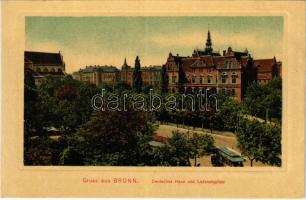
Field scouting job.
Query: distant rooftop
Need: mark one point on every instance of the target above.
(43, 58)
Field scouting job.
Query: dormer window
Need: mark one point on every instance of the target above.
(229, 64)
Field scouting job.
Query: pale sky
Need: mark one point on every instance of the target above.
(108, 40)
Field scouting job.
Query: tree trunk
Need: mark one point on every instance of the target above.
(251, 162)
(195, 161)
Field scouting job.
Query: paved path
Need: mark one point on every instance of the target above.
(228, 140)
(220, 140)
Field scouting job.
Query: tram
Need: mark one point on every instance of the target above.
(224, 156)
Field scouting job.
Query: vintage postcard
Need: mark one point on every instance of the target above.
(153, 99)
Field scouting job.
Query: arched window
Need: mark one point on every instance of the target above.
(59, 70)
(223, 77)
(234, 77)
(209, 79)
(52, 70)
(193, 79)
(45, 70)
(38, 69)
(229, 64)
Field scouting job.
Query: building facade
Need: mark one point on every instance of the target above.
(98, 75)
(151, 76)
(126, 73)
(227, 74)
(42, 64)
(267, 69)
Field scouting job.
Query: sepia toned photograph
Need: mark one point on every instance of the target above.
(187, 91)
(152, 99)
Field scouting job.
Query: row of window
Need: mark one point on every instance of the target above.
(264, 81)
(224, 79)
(230, 92)
(209, 79)
(46, 70)
(224, 91)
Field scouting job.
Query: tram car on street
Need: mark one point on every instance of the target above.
(224, 156)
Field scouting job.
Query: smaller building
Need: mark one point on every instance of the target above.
(151, 76)
(267, 69)
(98, 75)
(42, 64)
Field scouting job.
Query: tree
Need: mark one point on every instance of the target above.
(260, 142)
(111, 138)
(179, 149)
(46, 115)
(137, 80)
(121, 86)
(261, 100)
(30, 97)
(42, 151)
(67, 91)
(230, 113)
(201, 145)
(72, 153)
(67, 113)
(50, 84)
(164, 80)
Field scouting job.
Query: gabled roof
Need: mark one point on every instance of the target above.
(187, 62)
(208, 60)
(264, 64)
(88, 69)
(198, 52)
(109, 69)
(43, 58)
(219, 61)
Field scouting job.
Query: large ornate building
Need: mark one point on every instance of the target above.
(41, 64)
(228, 73)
